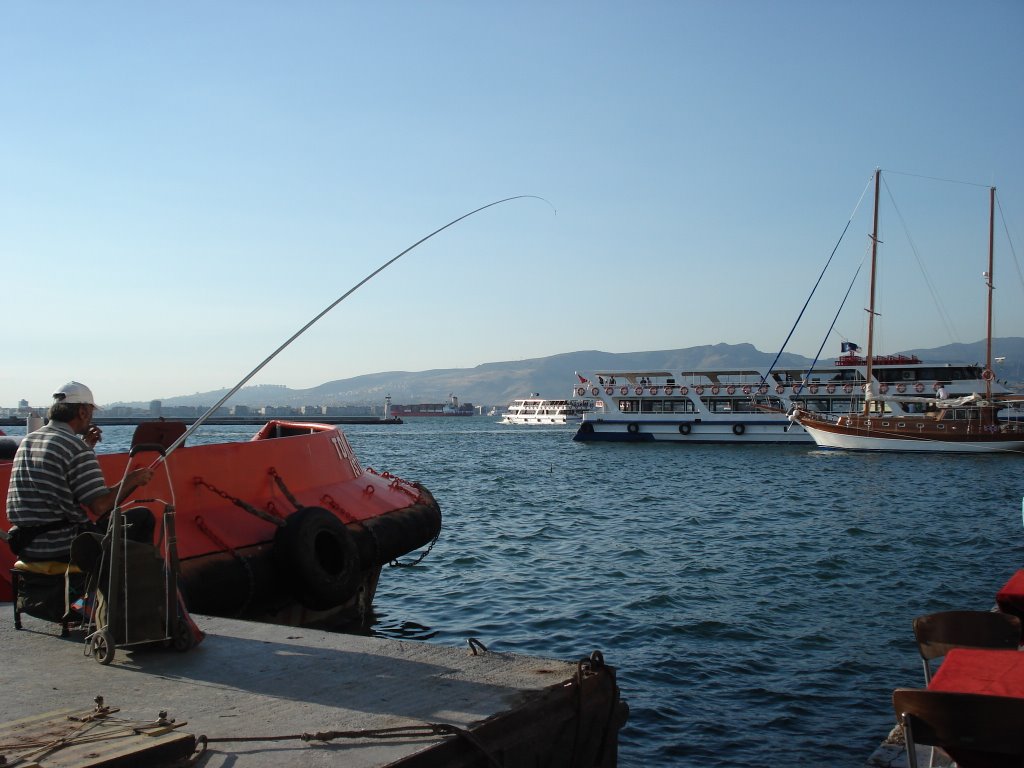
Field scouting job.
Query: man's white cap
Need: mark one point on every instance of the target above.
(75, 393)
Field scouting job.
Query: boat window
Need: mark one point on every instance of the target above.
(650, 405)
(629, 406)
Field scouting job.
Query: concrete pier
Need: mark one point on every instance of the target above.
(248, 680)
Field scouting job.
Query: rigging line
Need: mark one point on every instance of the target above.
(202, 419)
(835, 319)
(1009, 240)
(937, 178)
(849, 221)
(943, 314)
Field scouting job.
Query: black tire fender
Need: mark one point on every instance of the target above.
(319, 558)
(738, 429)
(633, 428)
(684, 429)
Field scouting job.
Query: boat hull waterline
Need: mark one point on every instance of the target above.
(883, 439)
(288, 527)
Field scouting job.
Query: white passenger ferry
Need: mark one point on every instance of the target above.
(754, 406)
(536, 410)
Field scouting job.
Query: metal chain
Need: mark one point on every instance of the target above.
(284, 488)
(269, 517)
(204, 528)
(398, 732)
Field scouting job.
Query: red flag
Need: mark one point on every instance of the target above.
(582, 380)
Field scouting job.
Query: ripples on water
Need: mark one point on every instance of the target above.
(756, 601)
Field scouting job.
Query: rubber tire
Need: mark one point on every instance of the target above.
(684, 429)
(319, 558)
(738, 429)
(633, 428)
(103, 648)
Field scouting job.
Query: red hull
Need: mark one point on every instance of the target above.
(236, 506)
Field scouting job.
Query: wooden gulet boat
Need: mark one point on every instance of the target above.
(288, 527)
(969, 424)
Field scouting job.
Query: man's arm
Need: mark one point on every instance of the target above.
(101, 505)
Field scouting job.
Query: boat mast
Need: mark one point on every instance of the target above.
(871, 307)
(989, 282)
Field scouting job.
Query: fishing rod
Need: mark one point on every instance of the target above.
(213, 409)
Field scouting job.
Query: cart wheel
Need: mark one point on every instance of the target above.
(103, 647)
(182, 639)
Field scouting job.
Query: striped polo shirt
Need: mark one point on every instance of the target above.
(54, 474)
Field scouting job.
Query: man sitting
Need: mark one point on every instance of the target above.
(56, 483)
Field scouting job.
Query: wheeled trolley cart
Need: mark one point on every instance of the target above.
(134, 584)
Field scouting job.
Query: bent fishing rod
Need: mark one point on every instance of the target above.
(213, 409)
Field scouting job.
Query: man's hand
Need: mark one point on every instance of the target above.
(92, 436)
(139, 477)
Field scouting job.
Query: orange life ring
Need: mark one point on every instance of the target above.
(847, 388)
(763, 389)
(814, 389)
(699, 390)
(988, 375)
(623, 390)
(609, 390)
(595, 391)
(731, 390)
(901, 387)
(746, 389)
(715, 389)
(684, 391)
(669, 390)
(780, 389)
(830, 388)
(654, 390)
(639, 390)
(580, 391)
(919, 387)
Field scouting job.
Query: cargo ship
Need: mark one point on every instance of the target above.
(452, 408)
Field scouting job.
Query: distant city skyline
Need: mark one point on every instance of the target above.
(186, 185)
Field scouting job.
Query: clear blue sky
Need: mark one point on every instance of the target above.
(184, 185)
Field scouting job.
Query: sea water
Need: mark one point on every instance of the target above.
(755, 601)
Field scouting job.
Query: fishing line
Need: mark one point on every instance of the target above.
(213, 409)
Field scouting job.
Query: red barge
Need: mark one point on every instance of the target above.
(288, 527)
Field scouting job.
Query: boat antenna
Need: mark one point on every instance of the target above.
(245, 379)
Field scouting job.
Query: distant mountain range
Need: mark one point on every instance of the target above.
(553, 377)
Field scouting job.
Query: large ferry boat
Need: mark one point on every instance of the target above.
(752, 405)
(537, 410)
(451, 408)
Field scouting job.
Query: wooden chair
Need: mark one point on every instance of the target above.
(937, 633)
(975, 730)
